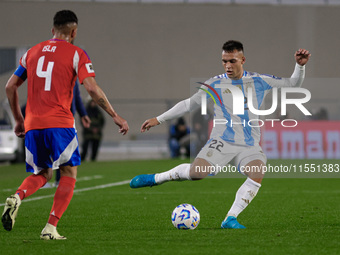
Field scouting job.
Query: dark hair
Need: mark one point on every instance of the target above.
(232, 45)
(64, 17)
(180, 121)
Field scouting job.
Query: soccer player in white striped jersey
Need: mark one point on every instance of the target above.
(236, 144)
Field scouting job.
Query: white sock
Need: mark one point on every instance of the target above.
(178, 173)
(244, 196)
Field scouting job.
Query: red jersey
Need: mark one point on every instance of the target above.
(52, 68)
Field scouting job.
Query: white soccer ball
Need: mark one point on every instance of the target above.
(185, 216)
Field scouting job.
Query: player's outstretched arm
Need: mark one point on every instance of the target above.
(100, 98)
(175, 112)
(149, 124)
(302, 56)
(13, 98)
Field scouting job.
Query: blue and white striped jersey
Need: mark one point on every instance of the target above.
(241, 129)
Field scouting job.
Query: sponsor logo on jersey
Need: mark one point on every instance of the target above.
(89, 68)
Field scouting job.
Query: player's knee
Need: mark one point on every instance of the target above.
(47, 173)
(196, 173)
(254, 170)
(70, 171)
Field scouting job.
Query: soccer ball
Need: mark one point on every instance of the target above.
(185, 216)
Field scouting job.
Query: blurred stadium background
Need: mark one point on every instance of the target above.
(145, 52)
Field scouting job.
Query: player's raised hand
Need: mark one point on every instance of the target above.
(122, 124)
(149, 124)
(302, 56)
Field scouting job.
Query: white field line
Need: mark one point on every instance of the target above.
(104, 186)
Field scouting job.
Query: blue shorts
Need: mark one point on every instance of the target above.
(51, 148)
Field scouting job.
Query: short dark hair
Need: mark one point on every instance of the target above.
(64, 17)
(232, 45)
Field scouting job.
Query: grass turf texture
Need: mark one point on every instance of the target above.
(289, 216)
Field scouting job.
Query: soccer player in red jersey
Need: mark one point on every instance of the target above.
(51, 68)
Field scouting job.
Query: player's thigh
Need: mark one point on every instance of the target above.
(250, 162)
(51, 148)
(38, 157)
(64, 147)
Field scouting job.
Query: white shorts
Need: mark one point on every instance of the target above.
(219, 153)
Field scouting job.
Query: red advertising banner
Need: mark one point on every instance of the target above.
(308, 139)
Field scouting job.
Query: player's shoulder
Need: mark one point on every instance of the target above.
(73, 47)
(213, 80)
(260, 75)
(248, 74)
(269, 76)
(82, 52)
(79, 52)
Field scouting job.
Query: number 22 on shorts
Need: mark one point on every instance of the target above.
(216, 145)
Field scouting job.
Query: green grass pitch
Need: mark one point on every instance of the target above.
(288, 216)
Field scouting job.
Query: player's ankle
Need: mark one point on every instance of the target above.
(53, 220)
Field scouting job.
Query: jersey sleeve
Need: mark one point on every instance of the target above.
(21, 71)
(84, 67)
(190, 104)
(295, 80)
(184, 106)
